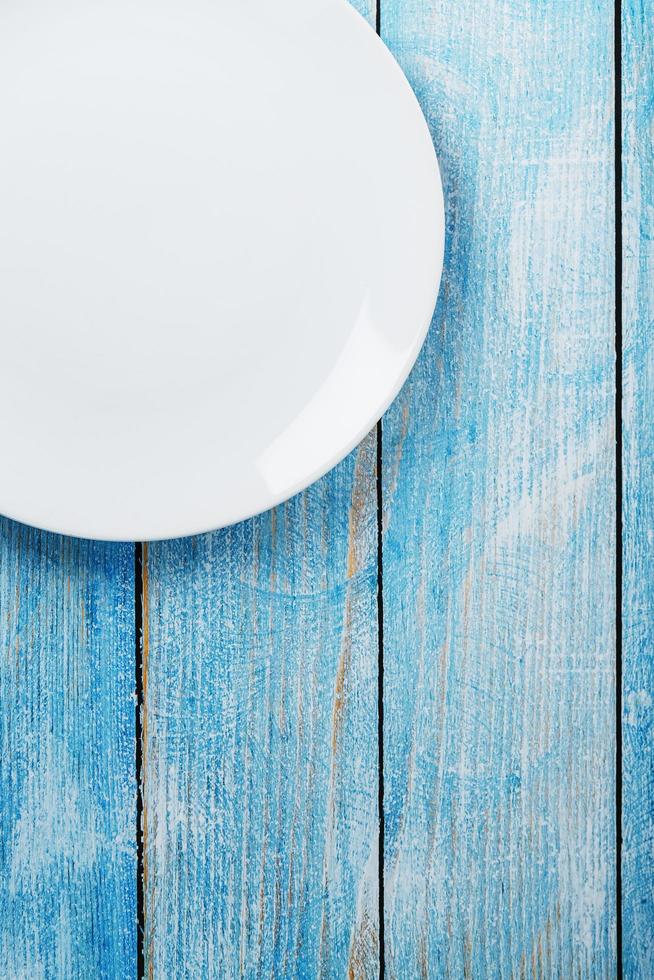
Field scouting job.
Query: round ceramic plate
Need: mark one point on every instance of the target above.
(221, 234)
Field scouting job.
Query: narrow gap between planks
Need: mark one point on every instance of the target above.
(380, 696)
(617, 75)
(380, 661)
(138, 731)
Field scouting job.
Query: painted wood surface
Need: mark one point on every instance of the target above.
(638, 498)
(260, 750)
(499, 550)
(67, 773)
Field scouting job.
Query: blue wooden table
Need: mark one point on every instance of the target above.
(388, 714)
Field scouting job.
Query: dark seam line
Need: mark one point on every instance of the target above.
(617, 47)
(138, 730)
(380, 696)
(380, 661)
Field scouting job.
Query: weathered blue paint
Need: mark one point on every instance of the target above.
(638, 512)
(67, 773)
(499, 509)
(260, 750)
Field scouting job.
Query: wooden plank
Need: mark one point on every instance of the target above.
(67, 772)
(499, 547)
(260, 721)
(638, 502)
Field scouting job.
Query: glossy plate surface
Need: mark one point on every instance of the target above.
(221, 233)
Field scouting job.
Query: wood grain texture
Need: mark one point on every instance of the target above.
(499, 548)
(260, 751)
(638, 497)
(67, 772)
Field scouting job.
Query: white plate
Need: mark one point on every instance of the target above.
(221, 234)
